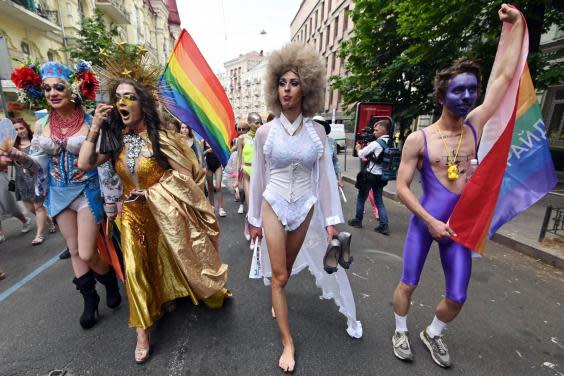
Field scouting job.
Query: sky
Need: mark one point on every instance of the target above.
(224, 29)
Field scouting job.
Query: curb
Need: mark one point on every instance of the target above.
(505, 240)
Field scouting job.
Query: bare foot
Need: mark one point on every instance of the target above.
(273, 313)
(287, 362)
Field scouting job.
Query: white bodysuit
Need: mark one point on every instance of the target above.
(294, 173)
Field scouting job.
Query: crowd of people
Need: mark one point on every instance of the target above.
(284, 172)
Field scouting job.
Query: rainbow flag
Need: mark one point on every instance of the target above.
(515, 167)
(192, 93)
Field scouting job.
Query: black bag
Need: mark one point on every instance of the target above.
(12, 182)
(361, 179)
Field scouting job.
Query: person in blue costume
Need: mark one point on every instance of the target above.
(73, 197)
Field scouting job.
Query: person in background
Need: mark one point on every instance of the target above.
(192, 142)
(374, 182)
(214, 171)
(332, 147)
(25, 184)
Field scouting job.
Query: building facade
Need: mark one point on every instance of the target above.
(40, 29)
(325, 24)
(243, 83)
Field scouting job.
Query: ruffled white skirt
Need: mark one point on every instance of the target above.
(334, 286)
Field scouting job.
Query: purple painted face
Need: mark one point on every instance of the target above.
(461, 94)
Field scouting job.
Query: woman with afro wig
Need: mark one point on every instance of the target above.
(293, 193)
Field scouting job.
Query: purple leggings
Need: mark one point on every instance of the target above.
(455, 258)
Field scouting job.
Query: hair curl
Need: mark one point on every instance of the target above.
(459, 66)
(148, 106)
(303, 60)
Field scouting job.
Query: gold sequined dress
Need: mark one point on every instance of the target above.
(170, 239)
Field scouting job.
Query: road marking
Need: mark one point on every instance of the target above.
(394, 256)
(26, 279)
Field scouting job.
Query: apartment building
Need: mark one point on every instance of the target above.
(39, 29)
(325, 24)
(243, 83)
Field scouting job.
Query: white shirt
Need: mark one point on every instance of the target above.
(376, 148)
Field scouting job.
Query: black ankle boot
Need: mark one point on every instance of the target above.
(113, 298)
(86, 284)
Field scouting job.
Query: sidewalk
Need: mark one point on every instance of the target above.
(520, 234)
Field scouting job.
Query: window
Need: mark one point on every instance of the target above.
(346, 20)
(322, 11)
(335, 29)
(50, 56)
(305, 32)
(333, 62)
(327, 37)
(25, 48)
(328, 8)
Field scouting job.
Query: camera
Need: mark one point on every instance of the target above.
(365, 136)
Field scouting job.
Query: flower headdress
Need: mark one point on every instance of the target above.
(29, 76)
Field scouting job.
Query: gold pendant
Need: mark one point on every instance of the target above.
(452, 172)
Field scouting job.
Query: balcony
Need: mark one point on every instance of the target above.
(29, 15)
(115, 10)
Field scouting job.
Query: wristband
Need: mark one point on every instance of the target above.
(92, 136)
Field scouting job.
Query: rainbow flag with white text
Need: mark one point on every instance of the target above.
(515, 167)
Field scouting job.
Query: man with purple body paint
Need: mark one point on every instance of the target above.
(442, 153)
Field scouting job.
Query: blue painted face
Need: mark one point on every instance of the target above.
(461, 94)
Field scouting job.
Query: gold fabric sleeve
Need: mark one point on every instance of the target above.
(187, 221)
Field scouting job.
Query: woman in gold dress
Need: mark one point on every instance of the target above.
(169, 233)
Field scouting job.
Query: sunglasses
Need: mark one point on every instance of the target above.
(127, 98)
(242, 129)
(60, 87)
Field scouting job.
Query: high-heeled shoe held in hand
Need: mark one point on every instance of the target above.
(332, 256)
(345, 258)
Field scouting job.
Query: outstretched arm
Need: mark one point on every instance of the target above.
(506, 68)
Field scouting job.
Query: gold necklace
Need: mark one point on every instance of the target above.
(452, 170)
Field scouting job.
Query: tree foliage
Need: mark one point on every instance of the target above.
(94, 35)
(399, 45)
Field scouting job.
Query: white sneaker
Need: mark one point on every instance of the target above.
(222, 212)
(241, 209)
(2, 238)
(26, 227)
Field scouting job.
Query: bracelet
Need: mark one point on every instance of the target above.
(92, 136)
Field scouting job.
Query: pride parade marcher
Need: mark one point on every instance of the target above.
(169, 233)
(442, 152)
(293, 190)
(245, 153)
(73, 197)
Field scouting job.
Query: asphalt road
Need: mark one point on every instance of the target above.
(512, 324)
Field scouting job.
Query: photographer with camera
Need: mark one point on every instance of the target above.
(369, 178)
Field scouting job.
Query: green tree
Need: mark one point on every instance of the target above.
(94, 36)
(398, 45)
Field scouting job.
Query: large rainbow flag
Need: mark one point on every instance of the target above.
(515, 167)
(192, 93)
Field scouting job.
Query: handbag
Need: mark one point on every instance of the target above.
(12, 182)
(361, 179)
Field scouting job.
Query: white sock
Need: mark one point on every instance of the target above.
(401, 323)
(436, 328)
